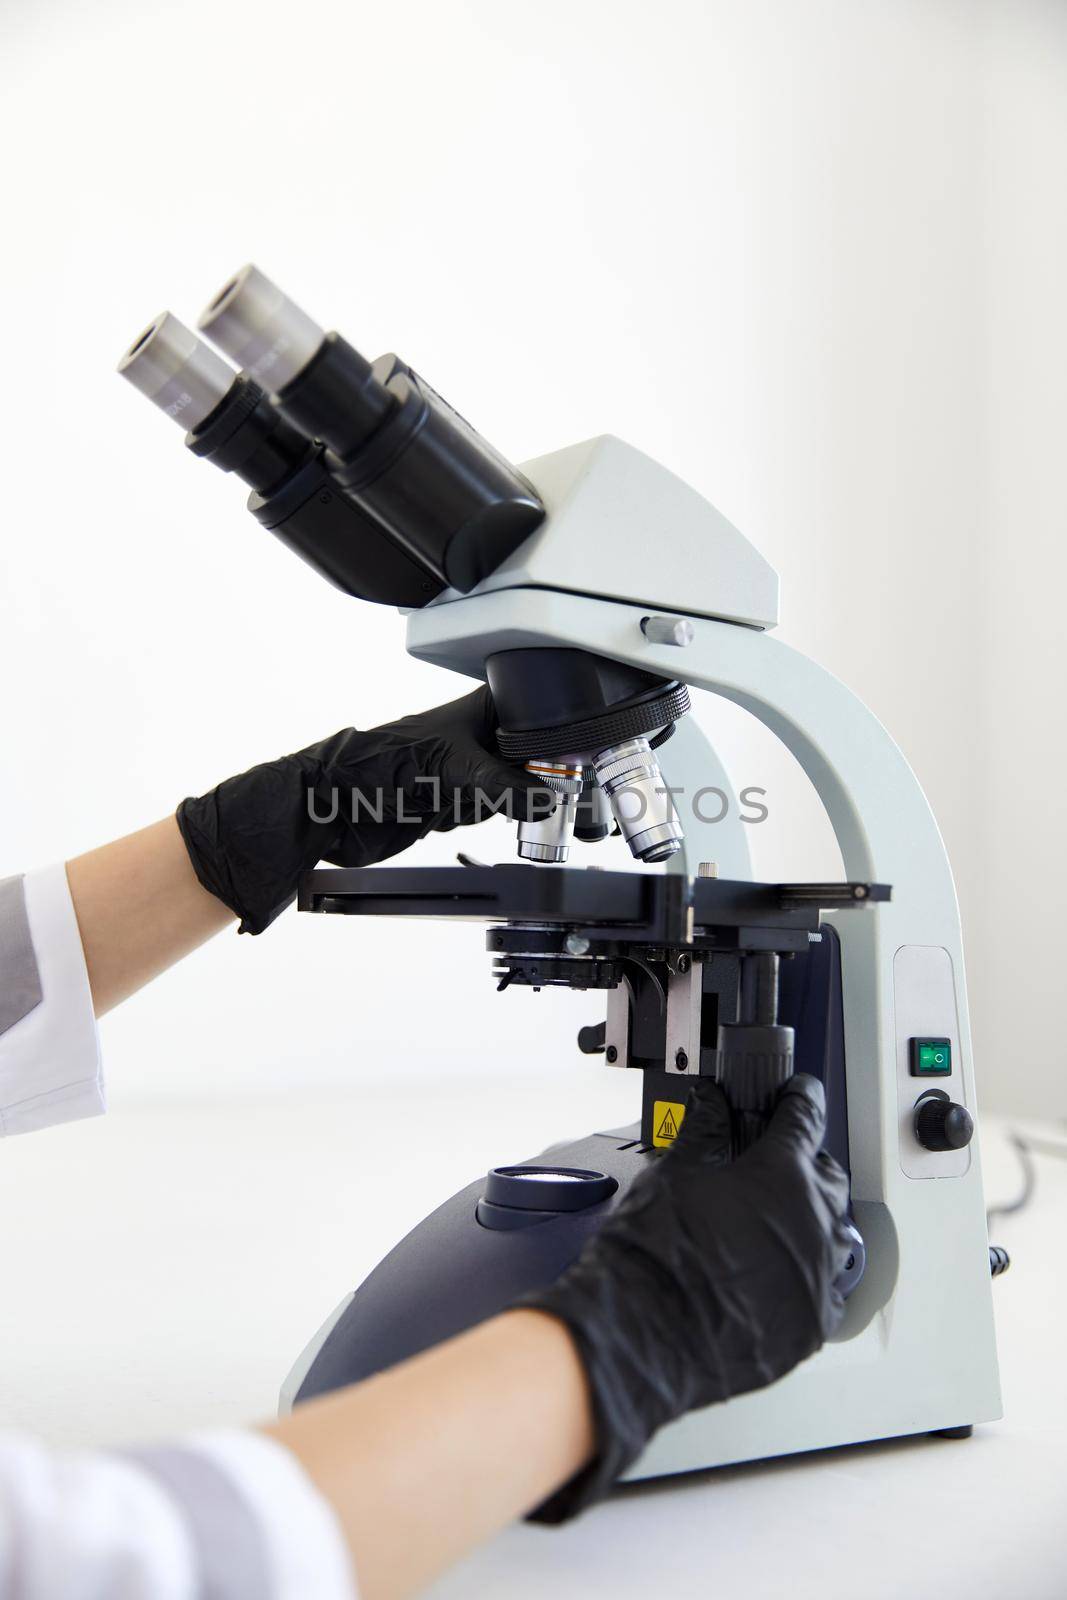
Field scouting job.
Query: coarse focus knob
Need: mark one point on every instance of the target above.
(752, 1062)
(942, 1124)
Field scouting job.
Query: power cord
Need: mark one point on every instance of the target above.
(1025, 1154)
(1026, 1147)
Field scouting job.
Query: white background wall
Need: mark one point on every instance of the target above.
(809, 254)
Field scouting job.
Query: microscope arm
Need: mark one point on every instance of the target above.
(881, 818)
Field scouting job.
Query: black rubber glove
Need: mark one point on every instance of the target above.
(251, 838)
(712, 1278)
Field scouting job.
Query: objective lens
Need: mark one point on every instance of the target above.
(548, 840)
(177, 371)
(261, 329)
(629, 775)
(594, 820)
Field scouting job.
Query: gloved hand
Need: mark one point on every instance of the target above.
(710, 1279)
(251, 838)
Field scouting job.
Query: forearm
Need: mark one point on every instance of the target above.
(426, 1461)
(140, 908)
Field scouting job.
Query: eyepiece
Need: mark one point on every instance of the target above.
(260, 329)
(177, 371)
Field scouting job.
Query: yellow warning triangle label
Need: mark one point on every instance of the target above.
(666, 1120)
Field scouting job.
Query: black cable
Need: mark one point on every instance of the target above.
(1025, 1154)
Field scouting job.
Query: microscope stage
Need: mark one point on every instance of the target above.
(631, 907)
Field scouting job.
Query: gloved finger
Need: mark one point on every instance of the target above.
(497, 777)
(476, 714)
(705, 1129)
(799, 1117)
(834, 1182)
(363, 846)
(469, 714)
(833, 1312)
(482, 706)
(485, 785)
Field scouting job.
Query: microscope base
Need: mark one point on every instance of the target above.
(904, 1362)
(453, 1271)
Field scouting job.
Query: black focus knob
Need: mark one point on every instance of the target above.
(752, 1062)
(941, 1124)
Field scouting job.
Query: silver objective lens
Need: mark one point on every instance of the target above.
(260, 329)
(629, 775)
(177, 371)
(548, 840)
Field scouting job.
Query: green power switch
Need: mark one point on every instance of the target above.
(930, 1058)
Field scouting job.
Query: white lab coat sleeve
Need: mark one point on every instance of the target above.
(223, 1516)
(50, 1069)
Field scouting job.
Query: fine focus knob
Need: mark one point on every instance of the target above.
(942, 1124)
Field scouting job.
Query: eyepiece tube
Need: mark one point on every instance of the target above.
(232, 422)
(229, 420)
(260, 329)
(177, 371)
(320, 383)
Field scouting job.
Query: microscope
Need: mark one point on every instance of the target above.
(365, 472)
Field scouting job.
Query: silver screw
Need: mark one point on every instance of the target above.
(576, 944)
(708, 869)
(667, 630)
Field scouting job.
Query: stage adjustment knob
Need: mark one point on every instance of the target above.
(941, 1124)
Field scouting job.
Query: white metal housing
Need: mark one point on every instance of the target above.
(917, 1349)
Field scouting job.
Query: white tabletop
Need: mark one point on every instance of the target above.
(164, 1265)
